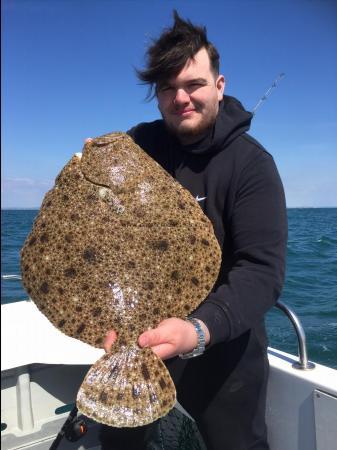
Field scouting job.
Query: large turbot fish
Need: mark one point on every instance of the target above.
(119, 244)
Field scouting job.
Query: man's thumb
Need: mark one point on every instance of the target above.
(149, 338)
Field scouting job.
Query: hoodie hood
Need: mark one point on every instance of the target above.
(232, 121)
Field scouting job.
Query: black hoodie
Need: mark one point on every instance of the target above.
(237, 184)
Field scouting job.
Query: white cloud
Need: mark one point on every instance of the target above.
(21, 183)
(311, 193)
(23, 192)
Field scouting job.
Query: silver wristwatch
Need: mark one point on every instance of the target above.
(200, 348)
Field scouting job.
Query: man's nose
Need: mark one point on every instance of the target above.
(181, 97)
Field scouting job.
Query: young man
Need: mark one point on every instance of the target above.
(202, 141)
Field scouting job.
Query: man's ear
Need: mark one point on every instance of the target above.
(220, 85)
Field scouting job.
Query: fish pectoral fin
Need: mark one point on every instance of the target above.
(128, 388)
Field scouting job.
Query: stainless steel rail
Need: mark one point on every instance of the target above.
(303, 363)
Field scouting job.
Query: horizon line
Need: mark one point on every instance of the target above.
(36, 208)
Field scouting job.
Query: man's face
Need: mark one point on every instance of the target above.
(189, 102)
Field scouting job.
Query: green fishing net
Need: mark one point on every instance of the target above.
(176, 431)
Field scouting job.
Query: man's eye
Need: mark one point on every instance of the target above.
(196, 85)
(165, 89)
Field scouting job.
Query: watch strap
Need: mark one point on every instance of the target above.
(200, 348)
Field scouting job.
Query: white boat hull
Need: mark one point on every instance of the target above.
(301, 405)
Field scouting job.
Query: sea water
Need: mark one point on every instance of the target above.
(311, 278)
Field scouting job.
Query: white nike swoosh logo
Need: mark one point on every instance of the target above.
(200, 199)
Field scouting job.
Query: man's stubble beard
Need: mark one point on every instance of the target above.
(189, 135)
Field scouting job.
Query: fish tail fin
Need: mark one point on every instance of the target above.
(128, 388)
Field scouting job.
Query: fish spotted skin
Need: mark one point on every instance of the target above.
(119, 244)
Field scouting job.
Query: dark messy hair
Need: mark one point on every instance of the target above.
(170, 52)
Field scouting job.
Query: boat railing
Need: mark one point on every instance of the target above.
(303, 362)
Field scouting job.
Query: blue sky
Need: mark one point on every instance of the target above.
(68, 73)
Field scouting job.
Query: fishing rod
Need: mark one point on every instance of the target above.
(73, 429)
(268, 92)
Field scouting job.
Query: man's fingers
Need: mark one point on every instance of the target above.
(157, 342)
(164, 351)
(109, 340)
(150, 338)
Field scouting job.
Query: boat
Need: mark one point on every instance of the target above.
(42, 369)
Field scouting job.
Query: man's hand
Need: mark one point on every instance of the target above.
(172, 337)
(109, 340)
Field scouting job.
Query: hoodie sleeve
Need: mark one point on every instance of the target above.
(258, 233)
